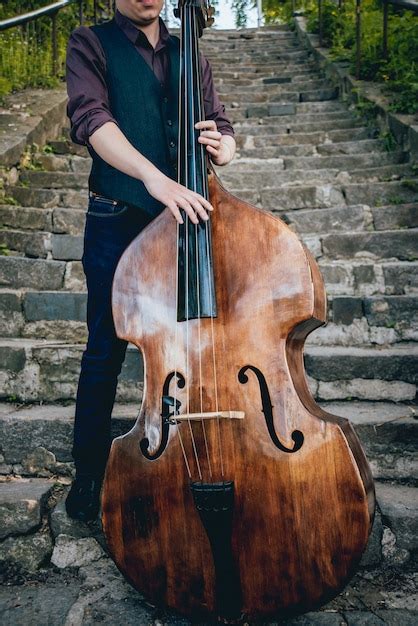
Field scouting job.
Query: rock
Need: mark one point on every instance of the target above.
(40, 461)
(390, 551)
(373, 553)
(61, 524)
(27, 553)
(75, 279)
(399, 506)
(71, 552)
(38, 603)
(21, 505)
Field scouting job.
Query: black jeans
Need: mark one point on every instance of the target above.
(110, 227)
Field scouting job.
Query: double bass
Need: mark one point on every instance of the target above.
(234, 495)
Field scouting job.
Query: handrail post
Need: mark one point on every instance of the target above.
(320, 18)
(95, 11)
(80, 12)
(54, 44)
(259, 13)
(385, 28)
(358, 37)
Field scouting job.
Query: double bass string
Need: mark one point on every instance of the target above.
(195, 76)
(176, 342)
(203, 159)
(186, 64)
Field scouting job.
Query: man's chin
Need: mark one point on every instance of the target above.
(147, 17)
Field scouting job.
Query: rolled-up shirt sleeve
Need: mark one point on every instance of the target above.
(88, 101)
(214, 109)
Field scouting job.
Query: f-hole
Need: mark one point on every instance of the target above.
(267, 410)
(170, 407)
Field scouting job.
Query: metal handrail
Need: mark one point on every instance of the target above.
(50, 9)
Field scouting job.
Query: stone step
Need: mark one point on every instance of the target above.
(292, 58)
(56, 315)
(21, 273)
(297, 143)
(334, 175)
(37, 439)
(251, 49)
(355, 217)
(63, 163)
(267, 173)
(385, 244)
(291, 55)
(331, 146)
(287, 97)
(328, 195)
(278, 127)
(270, 92)
(54, 180)
(293, 143)
(390, 244)
(269, 84)
(35, 370)
(49, 198)
(352, 320)
(366, 277)
(365, 321)
(235, 79)
(59, 221)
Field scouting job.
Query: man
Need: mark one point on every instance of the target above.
(127, 117)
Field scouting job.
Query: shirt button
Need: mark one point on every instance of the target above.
(172, 144)
(169, 122)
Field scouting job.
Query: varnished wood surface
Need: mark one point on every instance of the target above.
(301, 520)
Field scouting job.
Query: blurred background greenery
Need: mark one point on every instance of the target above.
(26, 51)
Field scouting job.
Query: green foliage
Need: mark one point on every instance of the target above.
(399, 72)
(26, 58)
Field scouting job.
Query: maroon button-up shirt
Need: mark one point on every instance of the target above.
(88, 105)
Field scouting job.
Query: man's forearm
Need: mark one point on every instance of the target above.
(111, 145)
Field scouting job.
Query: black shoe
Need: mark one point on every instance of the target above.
(83, 500)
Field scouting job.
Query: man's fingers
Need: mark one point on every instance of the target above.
(213, 134)
(187, 207)
(176, 212)
(209, 142)
(197, 205)
(208, 124)
(206, 204)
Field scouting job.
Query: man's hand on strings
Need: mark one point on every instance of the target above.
(221, 148)
(176, 197)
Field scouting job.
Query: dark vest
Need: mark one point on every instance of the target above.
(147, 114)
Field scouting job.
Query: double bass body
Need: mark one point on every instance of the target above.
(234, 493)
(303, 496)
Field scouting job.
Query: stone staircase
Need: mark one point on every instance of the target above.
(351, 194)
